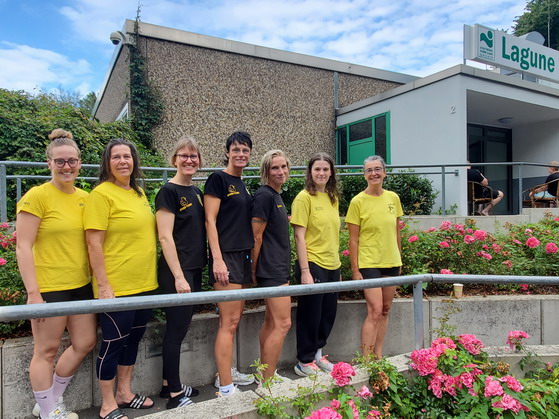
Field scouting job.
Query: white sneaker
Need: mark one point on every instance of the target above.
(58, 413)
(305, 370)
(238, 377)
(60, 405)
(324, 364)
(234, 391)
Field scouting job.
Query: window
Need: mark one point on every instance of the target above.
(123, 115)
(360, 139)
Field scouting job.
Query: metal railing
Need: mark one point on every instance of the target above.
(438, 169)
(34, 311)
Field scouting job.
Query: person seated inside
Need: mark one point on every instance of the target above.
(484, 191)
(550, 190)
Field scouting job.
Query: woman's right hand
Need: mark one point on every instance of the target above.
(182, 286)
(356, 275)
(306, 277)
(105, 292)
(221, 274)
(35, 298)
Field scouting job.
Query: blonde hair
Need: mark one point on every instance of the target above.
(60, 137)
(554, 165)
(185, 142)
(266, 164)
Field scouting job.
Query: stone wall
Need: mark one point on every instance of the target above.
(116, 93)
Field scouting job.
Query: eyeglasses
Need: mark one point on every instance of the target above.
(237, 150)
(192, 157)
(60, 163)
(375, 170)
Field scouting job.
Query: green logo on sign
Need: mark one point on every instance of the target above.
(485, 47)
(487, 38)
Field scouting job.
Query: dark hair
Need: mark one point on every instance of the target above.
(331, 186)
(239, 137)
(105, 168)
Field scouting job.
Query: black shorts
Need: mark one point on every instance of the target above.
(271, 282)
(76, 294)
(370, 273)
(239, 266)
(490, 193)
(319, 274)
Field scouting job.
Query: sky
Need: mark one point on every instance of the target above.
(50, 44)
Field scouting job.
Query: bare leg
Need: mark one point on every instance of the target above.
(493, 203)
(369, 330)
(83, 336)
(387, 298)
(107, 394)
(229, 317)
(277, 322)
(47, 335)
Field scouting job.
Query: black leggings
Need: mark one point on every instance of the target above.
(316, 314)
(121, 332)
(178, 321)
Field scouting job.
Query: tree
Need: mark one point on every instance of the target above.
(87, 103)
(541, 16)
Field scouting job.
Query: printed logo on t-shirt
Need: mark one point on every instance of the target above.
(232, 190)
(391, 209)
(279, 205)
(81, 204)
(184, 203)
(200, 199)
(319, 208)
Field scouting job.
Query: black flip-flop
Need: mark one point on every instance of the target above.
(136, 403)
(115, 414)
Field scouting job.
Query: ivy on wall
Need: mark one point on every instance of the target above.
(145, 101)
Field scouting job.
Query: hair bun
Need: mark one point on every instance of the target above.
(60, 133)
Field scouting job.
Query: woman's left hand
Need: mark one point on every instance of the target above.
(182, 286)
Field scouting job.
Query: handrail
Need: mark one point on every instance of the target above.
(34, 311)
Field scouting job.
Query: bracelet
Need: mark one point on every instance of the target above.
(305, 269)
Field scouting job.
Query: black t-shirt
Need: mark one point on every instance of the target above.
(189, 229)
(233, 219)
(552, 188)
(275, 254)
(474, 175)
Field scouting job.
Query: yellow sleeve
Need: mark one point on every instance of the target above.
(32, 202)
(353, 212)
(96, 212)
(301, 210)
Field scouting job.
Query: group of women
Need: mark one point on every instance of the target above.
(249, 244)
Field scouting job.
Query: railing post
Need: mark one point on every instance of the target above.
(418, 315)
(443, 187)
(18, 189)
(3, 194)
(165, 175)
(520, 189)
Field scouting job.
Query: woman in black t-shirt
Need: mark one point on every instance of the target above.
(182, 234)
(227, 205)
(271, 255)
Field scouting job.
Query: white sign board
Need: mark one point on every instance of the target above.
(500, 49)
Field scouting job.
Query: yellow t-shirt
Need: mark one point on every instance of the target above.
(322, 221)
(129, 246)
(60, 250)
(376, 217)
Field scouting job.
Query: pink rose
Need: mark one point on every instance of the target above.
(512, 383)
(424, 361)
(445, 225)
(492, 387)
(524, 287)
(413, 239)
(509, 403)
(4, 226)
(472, 344)
(345, 252)
(364, 392)
(342, 373)
(373, 414)
(532, 242)
(431, 229)
(469, 239)
(444, 245)
(469, 230)
(401, 225)
(515, 337)
(507, 263)
(335, 404)
(480, 235)
(551, 248)
(324, 413)
(447, 272)
(528, 231)
(3, 261)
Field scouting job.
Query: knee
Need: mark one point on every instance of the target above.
(85, 346)
(230, 324)
(284, 326)
(374, 315)
(46, 353)
(385, 310)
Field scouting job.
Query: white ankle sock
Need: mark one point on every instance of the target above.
(318, 355)
(226, 389)
(59, 385)
(45, 400)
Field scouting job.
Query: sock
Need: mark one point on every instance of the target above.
(46, 401)
(226, 389)
(59, 385)
(318, 354)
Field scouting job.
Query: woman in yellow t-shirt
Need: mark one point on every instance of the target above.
(316, 223)
(120, 233)
(374, 249)
(52, 258)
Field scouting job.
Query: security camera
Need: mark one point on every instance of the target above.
(116, 37)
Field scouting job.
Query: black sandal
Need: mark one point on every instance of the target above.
(115, 414)
(136, 403)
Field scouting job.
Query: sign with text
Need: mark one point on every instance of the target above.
(489, 46)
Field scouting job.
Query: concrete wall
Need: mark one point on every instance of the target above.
(490, 318)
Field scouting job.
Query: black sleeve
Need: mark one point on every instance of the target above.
(166, 198)
(262, 205)
(215, 186)
(474, 175)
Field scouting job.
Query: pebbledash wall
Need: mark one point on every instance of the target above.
(489, 318)
(212, 87)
